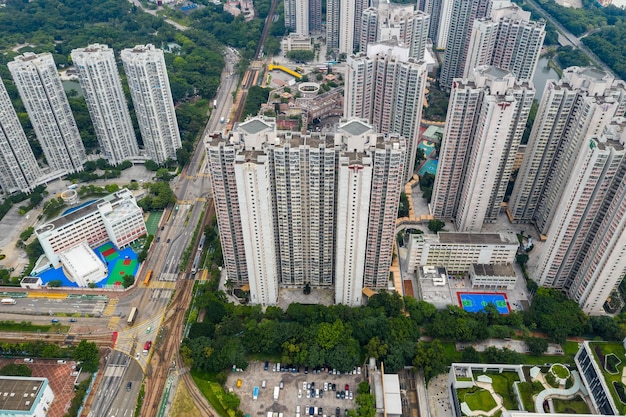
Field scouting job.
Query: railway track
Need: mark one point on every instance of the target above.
(166, 354)
(101, 340)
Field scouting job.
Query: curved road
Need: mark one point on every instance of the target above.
(571, 38)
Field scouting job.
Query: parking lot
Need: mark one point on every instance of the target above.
(292, 394)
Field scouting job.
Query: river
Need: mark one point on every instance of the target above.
(543, 73)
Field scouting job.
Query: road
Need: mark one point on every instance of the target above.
(153, 12)
(571, 38)
(49, 307)
(165, 325)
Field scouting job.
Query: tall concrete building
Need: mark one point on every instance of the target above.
(102, 87)
(507, 39)
(434, 9)
(486, 118)
(152, 98)
(400, 22)
(313, 209)
(332, 24)
(315, 17)
(386, 87)
(40, 88)
(18, 168)
(571, 111)
(463, 14)
(585, 253)
(444, 25)
(297, 16)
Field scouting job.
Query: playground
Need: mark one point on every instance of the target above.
(428, 147)
(152, 223)
(473, 302)
(430, 166)
(119, 263)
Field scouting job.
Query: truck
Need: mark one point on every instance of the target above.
(276, 393)
(255, 393)
(8, 301)
(215, 104)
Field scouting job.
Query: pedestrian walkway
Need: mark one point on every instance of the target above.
(113, 322)
(110, 308)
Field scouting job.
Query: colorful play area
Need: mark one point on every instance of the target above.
(430, 165)
(119, 263)
(473, 302)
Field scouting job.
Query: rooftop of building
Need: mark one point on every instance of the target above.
(499, 270)
(72, 217)
(30, 280)
(473, 238)
(609, 359)
(535, 384)
(255, 126)
(355, 127)
(19, 393)
(82, 260)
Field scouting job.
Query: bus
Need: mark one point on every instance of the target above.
(132, 316)
(146, 281)
(8, 301)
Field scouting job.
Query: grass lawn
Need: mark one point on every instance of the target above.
(449, 350)
(527, 390)
(8, 326)
(202, 380)
(503, 384)
(560, 371)
(183, 403)
(477, 398)
(575, 406)
(618, 350)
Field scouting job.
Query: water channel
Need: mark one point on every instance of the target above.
(543, 73)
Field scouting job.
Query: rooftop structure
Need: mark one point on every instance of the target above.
(115, 217)
(458, 251)
(25, 397)
(82, 265)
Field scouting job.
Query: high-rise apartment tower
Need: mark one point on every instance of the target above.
(386, 87)
(152, 98)
(572, 110)
(507, 39)
(40, 88)
(18, 168)
(486, 118)
(313, 209)
(102, 87)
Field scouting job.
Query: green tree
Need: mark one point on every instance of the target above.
(329, 335)
(430, 358)
(128, 281)
(435, 225)
(536, 345)
(403, 206)
(231, 401)
(151, 165)
(87, 353)
(375, 348)
(13, 369)
(470, 355)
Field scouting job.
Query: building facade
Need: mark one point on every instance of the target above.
(458, 31)
(332, 25)
(386, 87)
(507, 39)
(585, 253)
(18, 168)
(280, 219)
(457, 252)
(152, 98)
(102, 87)
(395, 22)
(484, 126)
(40, 88)
(571, 111)
(116, 218)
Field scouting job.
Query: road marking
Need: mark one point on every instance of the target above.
(110, 308)
(113, 322)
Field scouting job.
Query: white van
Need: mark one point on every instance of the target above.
(263, 384)
(28, 360)
(297, 408)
